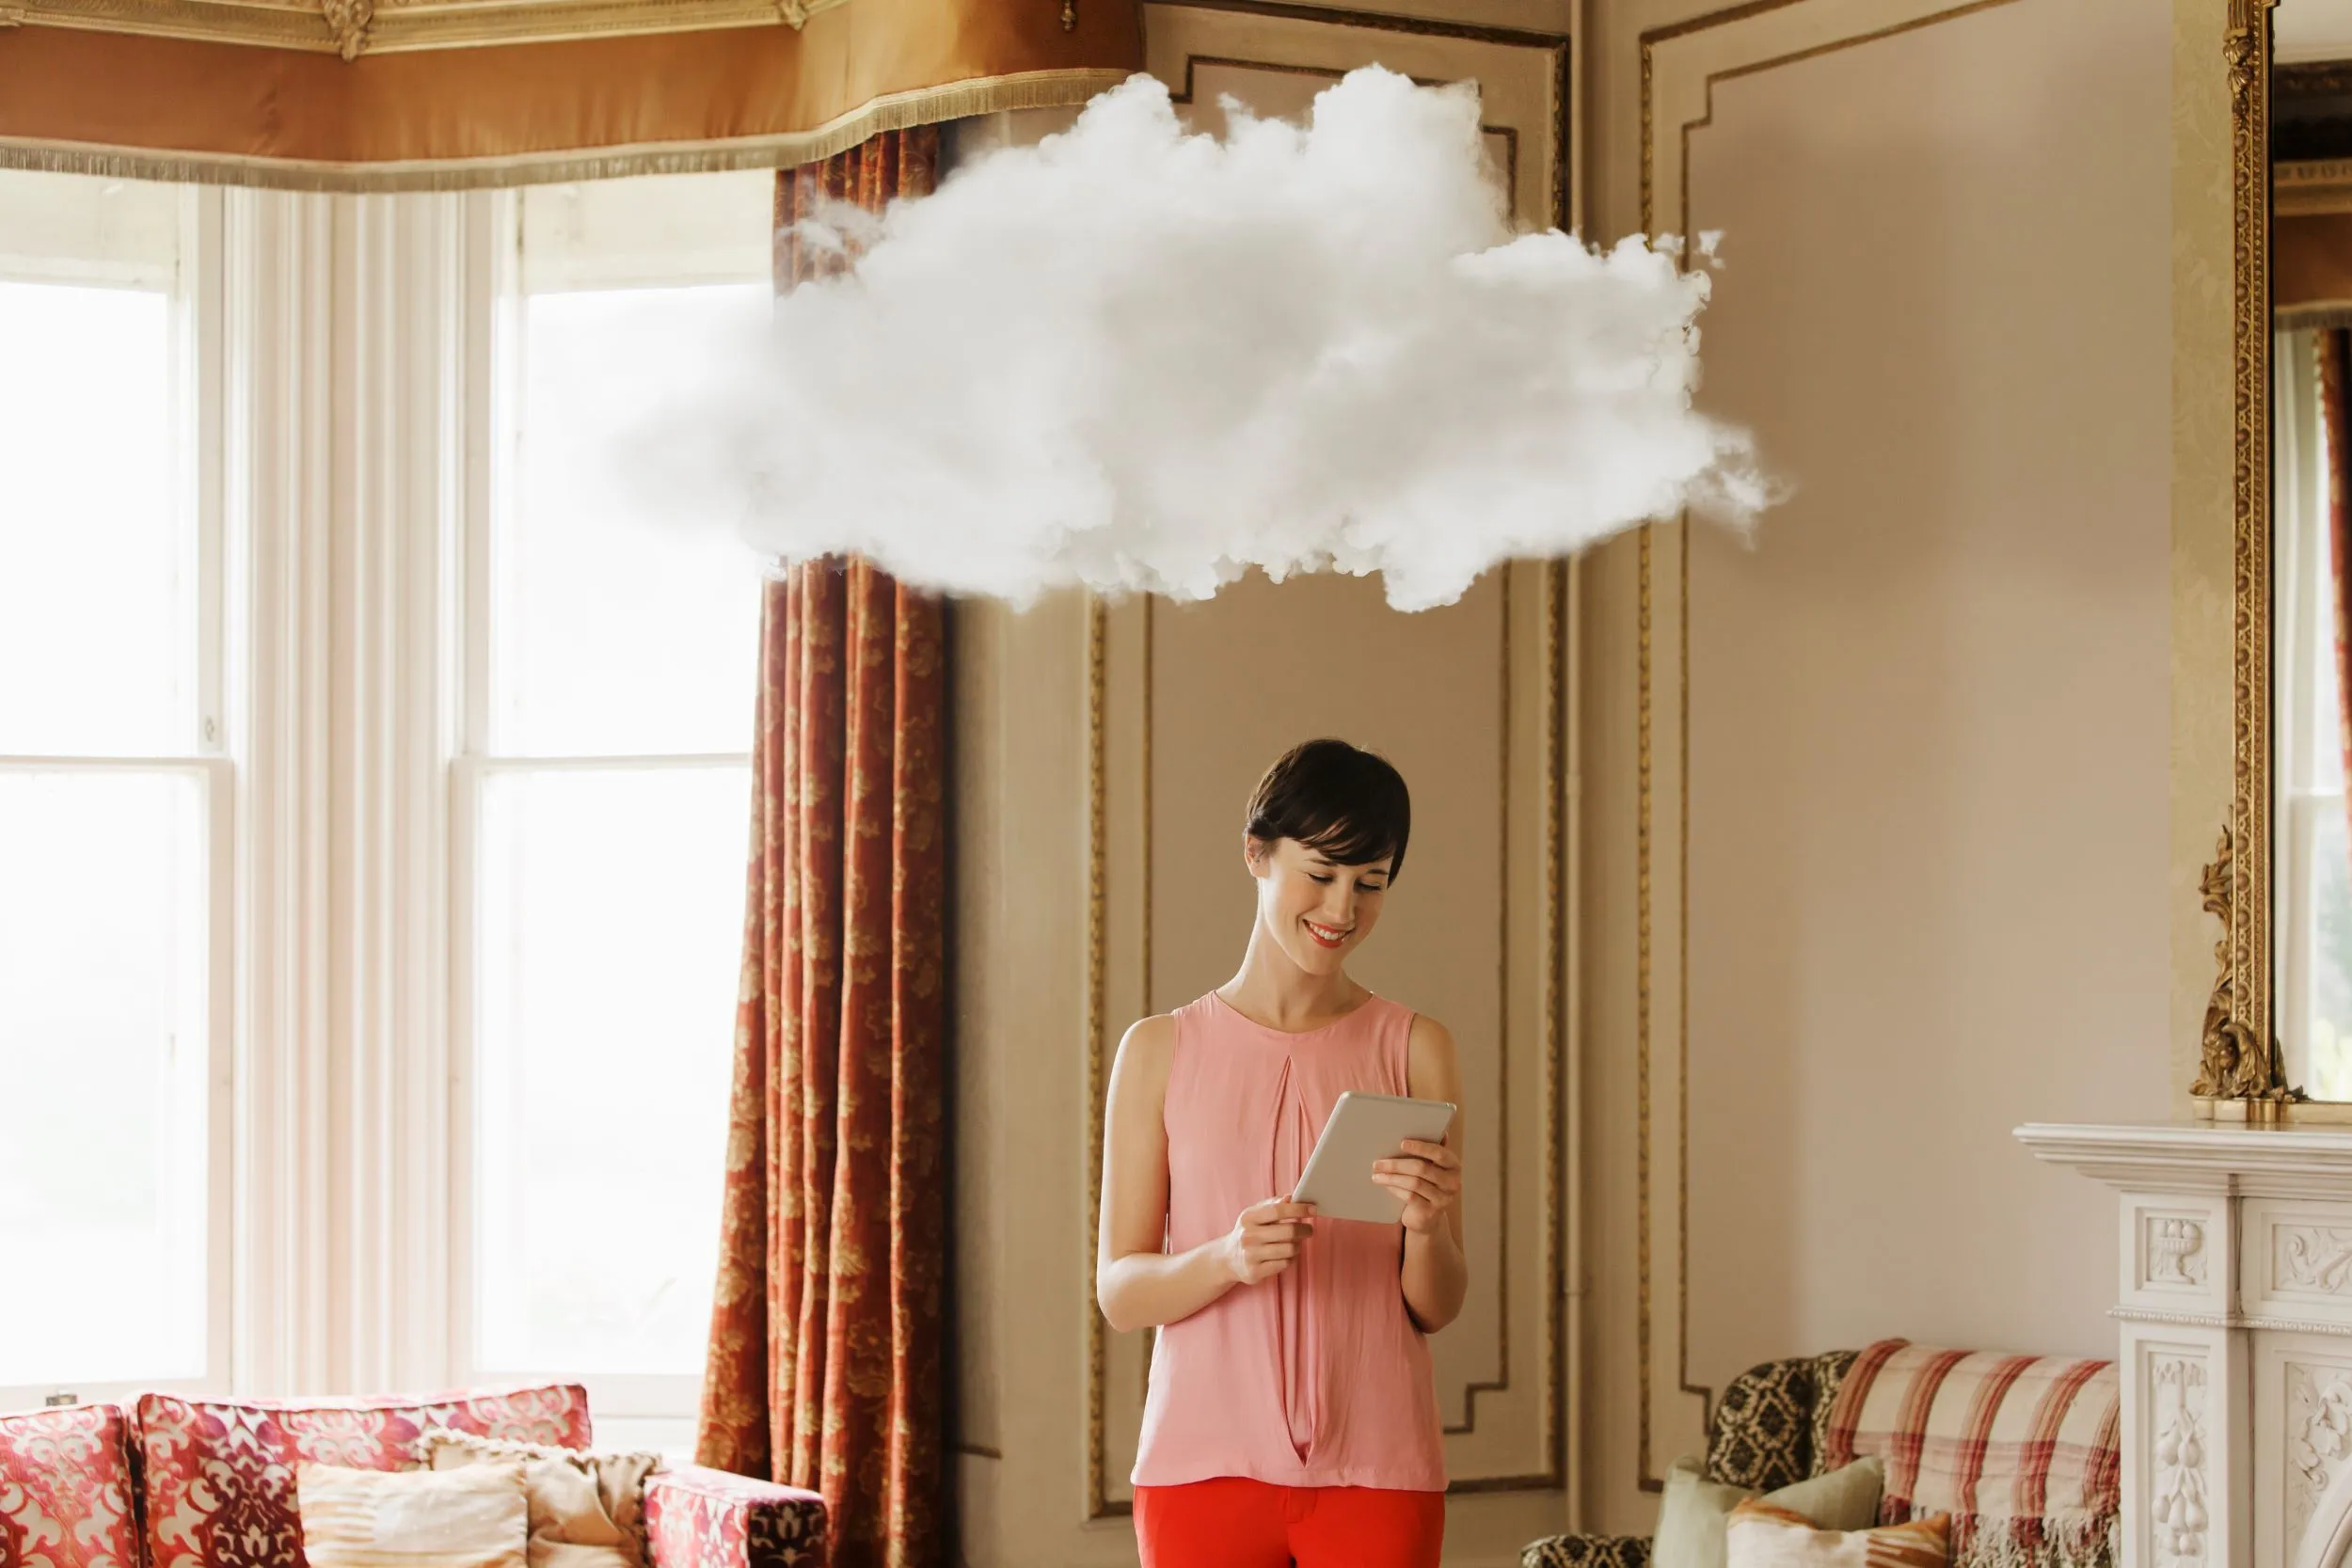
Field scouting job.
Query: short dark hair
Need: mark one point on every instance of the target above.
(1346, 804)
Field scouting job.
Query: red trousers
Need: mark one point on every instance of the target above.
(1233, 1523)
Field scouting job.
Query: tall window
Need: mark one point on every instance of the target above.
(605, 792)
(115, 803)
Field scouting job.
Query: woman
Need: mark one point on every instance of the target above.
(1292, 1416)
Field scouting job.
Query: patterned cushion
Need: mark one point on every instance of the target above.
(477, 1517)
(1588, 1551)
(702, 1518)
(1763, 1436)
(1769, 1431)
(1762, 1536)
(1829, 1376)
(217, 1477)
(587, 1509)
(65, 1489)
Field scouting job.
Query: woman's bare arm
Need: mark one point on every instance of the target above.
(1136, 1283)
(1436, 1274)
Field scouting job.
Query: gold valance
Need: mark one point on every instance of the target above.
(413, 110)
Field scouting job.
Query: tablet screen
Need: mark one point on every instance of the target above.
(1363, 1129)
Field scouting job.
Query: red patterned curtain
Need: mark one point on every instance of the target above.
(825, 1365)
(2335, 376)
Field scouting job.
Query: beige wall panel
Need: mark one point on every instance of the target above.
(1020, 740)
(1541, 16)
(1240, 679)
(2203, 461)
(1929, 710)
(1064, 714)
(1930, 857)
(1083, 901)
(1287, 93)
(976, 652)
(1464, 700)
(1607, 1492)
(1277, 64)
(1160, 718)
(1198, 700)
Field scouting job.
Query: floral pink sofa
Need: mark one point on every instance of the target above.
(209, 1483)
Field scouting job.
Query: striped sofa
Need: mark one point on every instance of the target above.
(2022, 1452)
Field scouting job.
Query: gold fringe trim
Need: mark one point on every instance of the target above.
(2318, 316)
(1036, 89)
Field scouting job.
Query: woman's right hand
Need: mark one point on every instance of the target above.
(1266, 1239)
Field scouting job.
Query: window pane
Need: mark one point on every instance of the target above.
(615, 628)
(2328, 1061)
(96, 628)
(611, 924)
(660, 230)
(86, 229)
(2327, 739)
(102, 1054)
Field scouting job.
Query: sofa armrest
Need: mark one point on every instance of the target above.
(702, 1518)
(1587, 1551)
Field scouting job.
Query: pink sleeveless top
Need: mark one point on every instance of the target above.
(1316, 1377)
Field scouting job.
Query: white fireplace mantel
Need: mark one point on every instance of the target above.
(2234, 1302)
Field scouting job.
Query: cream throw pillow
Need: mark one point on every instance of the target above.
(1763, 1536)
(587, 1509)
(412, 1518)
(1694, 1511)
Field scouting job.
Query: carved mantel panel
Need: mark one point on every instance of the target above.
(2234, 1313)
(2312, 1257)
(2175, 1250)
(2180, 1514)
(2318, 1430)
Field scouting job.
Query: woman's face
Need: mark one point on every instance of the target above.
(1318, 911)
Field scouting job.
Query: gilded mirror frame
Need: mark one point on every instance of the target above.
(2240, 1069)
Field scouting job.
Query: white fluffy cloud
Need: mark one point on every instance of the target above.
(1131, 358)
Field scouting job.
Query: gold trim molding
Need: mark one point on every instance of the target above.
(1098, 1506)
(2238, 1060)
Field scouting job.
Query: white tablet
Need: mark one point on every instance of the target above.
(1365, 1129)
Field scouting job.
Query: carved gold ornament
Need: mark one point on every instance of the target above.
(2231, 1060)
(2238, 1057)
(348, 20)
(2234, 1062)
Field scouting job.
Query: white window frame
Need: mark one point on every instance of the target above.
(197, 309)
(652, 1410)
(338, 402)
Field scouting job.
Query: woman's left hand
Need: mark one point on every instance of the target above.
(1428, 1176)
